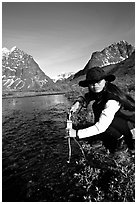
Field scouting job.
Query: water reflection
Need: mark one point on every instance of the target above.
(29, 104)
(14, 102)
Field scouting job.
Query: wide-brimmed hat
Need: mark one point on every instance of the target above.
(95, 75)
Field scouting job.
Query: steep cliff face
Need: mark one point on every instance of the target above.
(111, 55)
(20, 72)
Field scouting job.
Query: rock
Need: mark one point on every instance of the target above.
(20, 72)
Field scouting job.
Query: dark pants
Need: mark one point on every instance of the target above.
(121, 125)
(112, 135)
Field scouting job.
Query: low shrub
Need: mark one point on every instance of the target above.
(105, 177)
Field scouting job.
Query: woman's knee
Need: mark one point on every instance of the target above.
(111, 139)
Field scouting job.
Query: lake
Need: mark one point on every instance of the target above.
(34, 150)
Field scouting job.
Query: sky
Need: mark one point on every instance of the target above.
(61, 36)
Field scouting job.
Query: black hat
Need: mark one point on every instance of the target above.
(95, 75)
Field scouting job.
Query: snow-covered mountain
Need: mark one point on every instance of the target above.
(111, 55)
(63, 76)
(5, 52)
(20, 72)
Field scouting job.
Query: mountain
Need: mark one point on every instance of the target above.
(5, 52)
(63, 76)
(117, 59)
(111, 55)
(20, 72)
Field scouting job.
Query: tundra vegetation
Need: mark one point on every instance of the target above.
(103, 177)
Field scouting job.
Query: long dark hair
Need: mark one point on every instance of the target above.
(125, 99)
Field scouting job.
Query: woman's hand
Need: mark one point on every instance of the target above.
(75, 107)
(71, 133)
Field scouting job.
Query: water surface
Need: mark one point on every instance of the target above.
(34, 149)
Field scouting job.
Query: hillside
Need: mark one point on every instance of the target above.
(20, 72)
(123, 66)
(111, 55)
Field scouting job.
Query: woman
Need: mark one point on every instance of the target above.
(113, 110)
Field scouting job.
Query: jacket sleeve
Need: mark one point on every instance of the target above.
(84, 100)
(81, 100)
(105, 120)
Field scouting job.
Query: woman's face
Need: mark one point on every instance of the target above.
(98, 86)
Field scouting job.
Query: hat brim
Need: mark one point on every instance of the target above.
(110, 78)
(86, 83)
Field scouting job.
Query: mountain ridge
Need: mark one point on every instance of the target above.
(124, 70)
(20, 72)
(113, 54)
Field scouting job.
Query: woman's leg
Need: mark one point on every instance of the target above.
(111, 139)
(123, 127)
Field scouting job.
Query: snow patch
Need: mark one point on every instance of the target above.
(5, 50)
(63, 76)
(13, 48)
